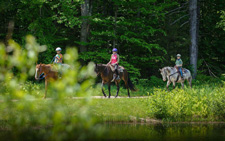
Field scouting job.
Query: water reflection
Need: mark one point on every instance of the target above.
(166, 131)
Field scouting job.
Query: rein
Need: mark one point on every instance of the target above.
(53, 59)
(172, 75)
(42, 74)
(106, 68)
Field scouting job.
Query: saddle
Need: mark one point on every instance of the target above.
(120, 68)
(183, 70)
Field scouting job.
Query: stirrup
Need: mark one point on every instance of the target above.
(114, 77)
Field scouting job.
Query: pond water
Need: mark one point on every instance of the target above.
(165, 131)
(116, 131)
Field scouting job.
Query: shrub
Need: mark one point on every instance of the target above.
(202, 104)
(26, 117)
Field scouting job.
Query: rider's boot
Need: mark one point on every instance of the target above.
(114, 77)
(182, 77)
(118, 76)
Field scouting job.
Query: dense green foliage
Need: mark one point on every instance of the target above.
(148, 33)
(189, 105)
(22, 114)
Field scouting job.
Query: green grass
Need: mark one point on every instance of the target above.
(204, 102)
(126, 109)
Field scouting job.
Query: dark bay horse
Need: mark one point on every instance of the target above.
(107, 76)
(50, 75)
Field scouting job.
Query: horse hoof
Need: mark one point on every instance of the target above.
(109, 97)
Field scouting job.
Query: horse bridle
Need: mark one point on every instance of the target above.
(41, 73)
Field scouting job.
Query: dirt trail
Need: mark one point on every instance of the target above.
(94, 97)
(113, 97)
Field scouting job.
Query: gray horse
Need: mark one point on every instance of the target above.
(173, 76)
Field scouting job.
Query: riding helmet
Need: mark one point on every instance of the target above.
(114, 50)
(58, 49)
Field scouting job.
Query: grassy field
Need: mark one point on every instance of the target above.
(201, 103)
(59, 115)
(204, 102)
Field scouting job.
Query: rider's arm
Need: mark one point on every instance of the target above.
(118, 59)
(57, 56)
(180, 64)
(61, 56)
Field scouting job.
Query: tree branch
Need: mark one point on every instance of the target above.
(178, 8)
(177, 12)
(179, 19)
(184, 23)
(210, 72)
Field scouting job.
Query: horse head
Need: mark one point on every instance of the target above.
(39, 71)
(164, 72)
(99, 68)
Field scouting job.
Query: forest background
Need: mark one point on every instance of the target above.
(147, 33)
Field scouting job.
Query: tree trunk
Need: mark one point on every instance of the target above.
(10, 32)
(85, 26)
(114, 29)
(193, 10)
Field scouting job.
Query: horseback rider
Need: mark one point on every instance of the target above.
(57, 61)
(114, 63)
(59, 56)
(179, 64)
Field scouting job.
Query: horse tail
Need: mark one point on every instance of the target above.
(131, 85)
(190, 81)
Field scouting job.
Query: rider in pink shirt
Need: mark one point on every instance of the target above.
(114, 62)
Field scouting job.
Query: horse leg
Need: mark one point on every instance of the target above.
(126, 84)
(190, 81)
(102, 89)
(174, 83)
(128, 92)
(182, 84)
(109, 89)
(118, 89)
(46, 87)
(168, 83)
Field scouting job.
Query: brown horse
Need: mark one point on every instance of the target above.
(49, 74)
(107, 76)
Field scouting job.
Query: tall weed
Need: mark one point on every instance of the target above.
(201, 104)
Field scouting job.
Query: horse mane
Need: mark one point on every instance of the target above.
(104, 68)
(47, 67)
(168, 68)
